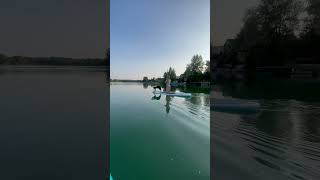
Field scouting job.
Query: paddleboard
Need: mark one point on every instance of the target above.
(111, 177)
(180, 94)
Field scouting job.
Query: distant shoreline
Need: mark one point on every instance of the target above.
(52, 61)
(125, 80)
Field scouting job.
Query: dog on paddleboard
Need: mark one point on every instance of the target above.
(157, 87)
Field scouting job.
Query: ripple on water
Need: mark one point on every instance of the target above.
(193, 115)
(283, 137)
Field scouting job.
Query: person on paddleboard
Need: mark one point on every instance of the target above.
(168, 85)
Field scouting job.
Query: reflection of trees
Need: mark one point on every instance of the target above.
(282, 132)
(145, 85)
(271, 25)
(196, 100)
(274, 124)
(289, 121)
(271, 89)
(279, 119)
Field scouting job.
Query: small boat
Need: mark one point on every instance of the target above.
(179, 94)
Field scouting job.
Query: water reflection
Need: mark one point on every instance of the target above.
(168, 100)
(194, 104)
(283, 136)
(277, 136)
(45, 108)
(155, 97)
(145, 85)
(166, 122)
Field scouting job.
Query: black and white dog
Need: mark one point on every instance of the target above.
(157, 87)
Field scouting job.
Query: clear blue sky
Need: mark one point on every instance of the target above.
(149, 36)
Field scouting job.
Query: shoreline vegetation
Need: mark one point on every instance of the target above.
(196, 74)
(278, 39)
(55, 61)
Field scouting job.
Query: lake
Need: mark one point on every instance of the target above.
(53, 123)
(158, 137)
(281, 140)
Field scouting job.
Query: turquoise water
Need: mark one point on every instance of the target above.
(158, 137)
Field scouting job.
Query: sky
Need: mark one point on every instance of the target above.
(153, 34)
(64, 28)
(227, 18)
(149, 36)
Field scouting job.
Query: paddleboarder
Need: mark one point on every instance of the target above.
(168, 85)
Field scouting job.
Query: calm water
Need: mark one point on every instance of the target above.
(158, 137)
(53, 123)
(279, 141)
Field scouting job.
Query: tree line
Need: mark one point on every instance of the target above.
(23, 60)
(276, 33)
(197, 70)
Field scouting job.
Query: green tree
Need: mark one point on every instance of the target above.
(250, 34)
(278, 18)
(171, 73)
(188, 72)
(196, 65)
(194, 70)
(312, 21)
(267, 31)
(145, 79)
(270, 21)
